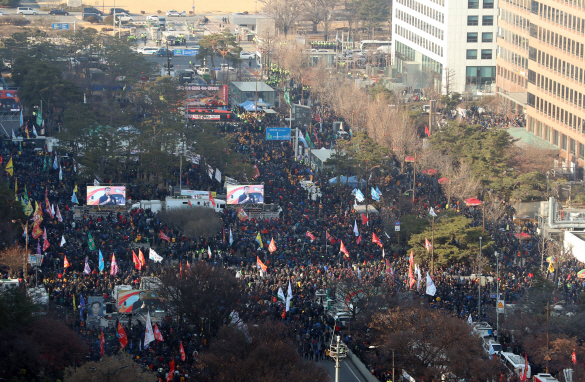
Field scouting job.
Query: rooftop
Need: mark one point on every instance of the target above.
(251, 86)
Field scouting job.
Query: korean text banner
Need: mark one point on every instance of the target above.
(138, 301)
(245, 194)
(106, 195)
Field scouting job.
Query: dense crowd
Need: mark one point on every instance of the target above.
(310, 264)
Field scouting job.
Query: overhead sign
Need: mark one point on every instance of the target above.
(500, 306)
(397, 227)
(186, 52)
(278, 133)
(60, 26)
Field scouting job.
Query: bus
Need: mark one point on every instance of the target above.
(374, 44)
(515, 364)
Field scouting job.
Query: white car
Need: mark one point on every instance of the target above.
(174, 14)
(125, 18)
(152, 18)
(147, 50)
(247, 55)
(227, 67)
(2, 13)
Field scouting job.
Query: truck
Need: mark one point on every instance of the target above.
(543, 377)
(198, 200)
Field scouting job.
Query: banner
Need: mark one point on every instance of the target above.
(95, 306)
(138, 301)
(245, 194)
(106, 195)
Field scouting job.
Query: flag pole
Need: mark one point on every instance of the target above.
(433, 247)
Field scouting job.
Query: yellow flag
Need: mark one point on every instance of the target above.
(551, 268)
(10, 167)
(29, 209)
(75, 189)
(16, 185)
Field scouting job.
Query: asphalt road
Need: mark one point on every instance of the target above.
(347, 372)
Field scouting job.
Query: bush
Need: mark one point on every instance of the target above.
(106, 29)
(109, 20)
(10, 3)
(91, 19)
(159, 12)
(18, 21)
(142, 12)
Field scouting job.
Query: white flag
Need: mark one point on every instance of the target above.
(432, 212)
(53, 209)
(60, 173)
(209, 251)
(63, 240)
(281, 295)
(95, 182)
(218, 175)
(431, 288)
(289, 297)
(469, 319)
(149, 334)
(231, 237)
(382, 252)
(155, 256)
(355, 228)
(419, 277)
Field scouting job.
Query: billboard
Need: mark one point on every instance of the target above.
(9, 101)
(136, 301)
(245, 194)
(278, 133)
(206, 97)
(95, 306)
(106, 195)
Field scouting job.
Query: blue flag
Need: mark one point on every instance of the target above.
(55, 163)
(21, 118)
(82, 303)
(101, 261)
(231, 237)
(74, 198)
(378, 191)
(302, 139)
(375, 195)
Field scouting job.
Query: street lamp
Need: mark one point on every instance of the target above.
(108, 374)
(479, 284)
(337, 351)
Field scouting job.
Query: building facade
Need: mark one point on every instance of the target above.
(449, 45)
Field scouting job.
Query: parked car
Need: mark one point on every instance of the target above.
(247, 55)
(147, 50)
(2, 13)
(164, 51)
(26, 11)
(152, 18)
(124, 17)
(119, 11)
(174, 14)
(59, 12)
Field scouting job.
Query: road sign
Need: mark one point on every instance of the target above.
(493, 295)
(397, 227)
(501, 306)
(60, 26)
(278, 133)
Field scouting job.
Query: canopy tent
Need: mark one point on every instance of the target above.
(251, 105)
(409, 159)
(522, 235)
(444, 181)
(430, 171)
(351, 181)
(472, 202)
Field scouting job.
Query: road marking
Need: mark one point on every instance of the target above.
(356, 377)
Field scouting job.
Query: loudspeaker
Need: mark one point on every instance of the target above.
(109, 308)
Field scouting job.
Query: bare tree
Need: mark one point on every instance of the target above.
(14, 258)
(318, 12)
(284, 12)
(110, 369)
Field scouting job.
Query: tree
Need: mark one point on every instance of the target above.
(372, 13)
(211, 45)
(120, 368)
(429, 345)
(205, 295)
(257, 353)
(13, 257)
(317, 12)
(192, 221)
(10, 210)
(284, 12)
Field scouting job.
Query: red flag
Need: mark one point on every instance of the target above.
(182, 351)
(46, 243)
(310, 235)
(141, 257)
(65, 262)
(343, 249)
(329, 237)
(164, 237)
(261, 264)
(181, 269)
(157, 334)
(524, 375)
(427, 131)
(170, 375)
(172, 365)
(189, 203)
(211, 199)
(102, 342)
(122, 336)
(428, 245)
(272, 246)
(136, 261)
(574, 357)
(410, 266)
(188, 266)
(376, 240)
(364, 219)
(359, 239)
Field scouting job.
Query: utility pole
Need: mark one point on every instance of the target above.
(479, 284)
(168, 60)
(432, 250)
(497, 292)
(337, 351)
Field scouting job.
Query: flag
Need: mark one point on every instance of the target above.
(180, 268)
(524, 375)
(148, 334)
(141, 257)
(26, 131)
(231, 237)
(29, 208)
(242, 215)
(260, 264)
(410, 270)
(102, 342)
(329, 237)
(164, 237)
(343, 250)
(189, 203)
(59, 217)
(382, 252)
(82, 306)
(337, 36)
(218, 175)
(280, 295)
(259, 240)
(209, 251)
(10, 167)
(90, 242)
(21, 120)
(210, 171)
(469, 320)
(310, 235)
(35, 132)
(13, 136)
(39, 118)
(73, 197)
(122, 336)
(181, 350)
(574, 357)
(271, 246)
(287, 96)
(16, 185)
(155, 256)
(101, 261)
(114, 266)
(65, 262)
(365, 219)
(63, 240)
(432, 212)
(427, 131)
(428, 245)
(289, 297)
(86, 269)
(308, 139)
(302, 139)
(375, 195)
(418, 277)
(355, 228)
(378, 191)
(211, 198)
(376, 240)
(96, 182)
(172, 371)
(431, 288)
(359, 239)
(55, 163)
(157, 334)
(359, 196)
(46, 243)
(256, 172)
(137, 263)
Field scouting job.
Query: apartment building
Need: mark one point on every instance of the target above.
(449, 45)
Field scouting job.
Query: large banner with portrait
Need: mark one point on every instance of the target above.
(106, 195)
(245, 194)
(95, 306)
(139, 301)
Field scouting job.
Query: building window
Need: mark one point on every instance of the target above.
(487, 20)
(472, 54)
(473, 4)
(486, 54)
(573, 146)
(556, 138)
(472, 37)
(581, 149)
(488, 4)
(564, 142)
(487, 37)
(472, 20)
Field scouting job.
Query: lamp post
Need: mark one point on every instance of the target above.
(25, 229)
(337, 351)
(108, 374)
(479, 284)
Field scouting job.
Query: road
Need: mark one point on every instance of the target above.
(347, 372)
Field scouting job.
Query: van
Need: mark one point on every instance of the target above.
(490, 343)
(26, 11)
(514, 363)
(161, 21)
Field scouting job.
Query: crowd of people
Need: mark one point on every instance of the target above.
(311, 263)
